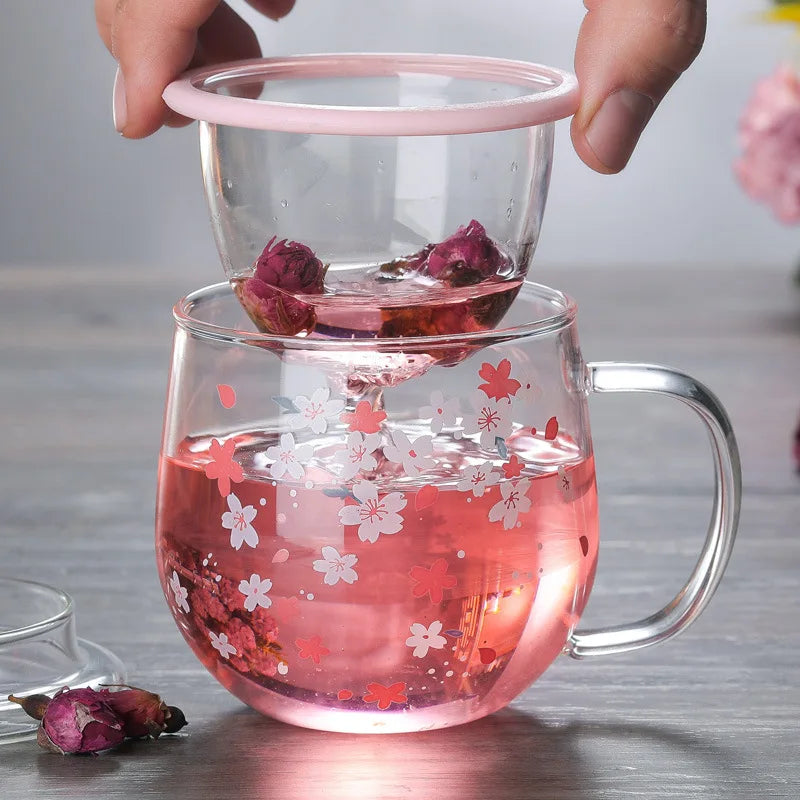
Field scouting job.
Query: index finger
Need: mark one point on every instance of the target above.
(156, 40)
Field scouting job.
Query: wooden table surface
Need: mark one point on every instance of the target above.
(712, 714)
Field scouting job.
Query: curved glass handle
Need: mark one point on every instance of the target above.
(695, 595)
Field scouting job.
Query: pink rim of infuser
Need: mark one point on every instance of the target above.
(554, 95)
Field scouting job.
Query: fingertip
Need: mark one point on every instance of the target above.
(274, 9)
(585, 152)
(174, 120)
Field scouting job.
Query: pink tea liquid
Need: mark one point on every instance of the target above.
(446, 620)
(369, 308)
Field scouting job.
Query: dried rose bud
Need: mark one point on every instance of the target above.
(467, 257)
(33, 705)
(142, 713)
(79, 721)
(290, 266)
(175, 720)
(272, 310)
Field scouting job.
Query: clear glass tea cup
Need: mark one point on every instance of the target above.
(387, 535)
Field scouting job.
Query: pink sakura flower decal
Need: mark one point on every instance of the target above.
(374, 514)
(285, 609)
(491, 419)
(357, 455)
(180, 592)
(227, 395)
(498, 384)
(315, 411)
(222, 467)
(423, 638)
(289, 457)
(475, 479)
(514, 501)
(432, 581)
(513, 467)
(384, 696)
(222, 645)
(237, 520)
(312, 648)
(441, 412)
(363, 419)
(414, 456)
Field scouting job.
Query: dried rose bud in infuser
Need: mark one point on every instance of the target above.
(467, 257)
(79, 721)
(282, 270)
(142, 713)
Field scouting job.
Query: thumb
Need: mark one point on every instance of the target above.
(629, 54)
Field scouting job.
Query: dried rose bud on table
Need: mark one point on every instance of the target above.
(90, 721)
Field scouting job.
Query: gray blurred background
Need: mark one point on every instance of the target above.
(75, 193)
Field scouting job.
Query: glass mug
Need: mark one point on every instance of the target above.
(387, 535)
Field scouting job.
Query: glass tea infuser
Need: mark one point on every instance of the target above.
(377, 507)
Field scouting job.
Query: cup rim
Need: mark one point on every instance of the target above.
(188, 97)
(564, 306)
(41, 625)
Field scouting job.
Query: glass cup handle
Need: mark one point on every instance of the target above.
(695, 595)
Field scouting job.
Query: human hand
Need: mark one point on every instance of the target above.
(155, 40)
(629, 54)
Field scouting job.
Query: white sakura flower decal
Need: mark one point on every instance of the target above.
(422, 638)
(180, 592)
(441, 412)
(315, 411)
(288, 457)
(222, 646)
(476, 479)
(515, 502)
(491, 419)
(255, 592)
(336, 567)
(414, 456)
(528, 392)
(237, 521)
(358, 454)
(565, 484)
(374, 515)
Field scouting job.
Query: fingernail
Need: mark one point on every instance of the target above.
(119, 106)
(616, 127)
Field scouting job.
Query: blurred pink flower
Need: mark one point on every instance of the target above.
(769, 134)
